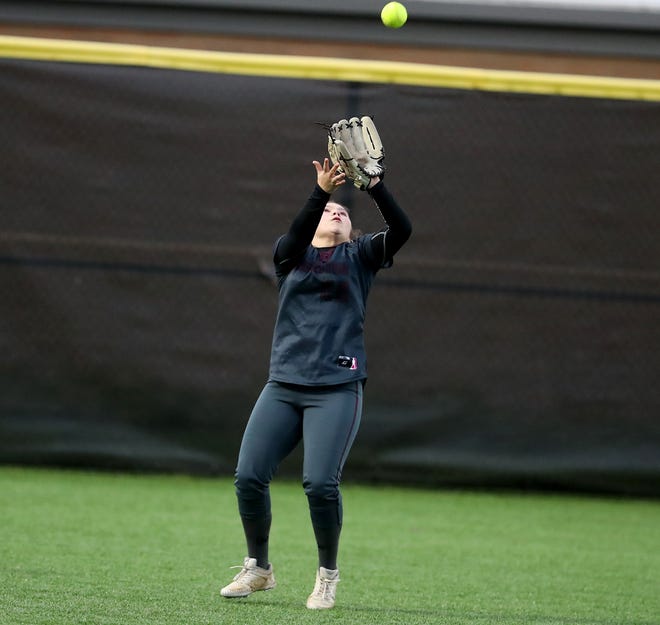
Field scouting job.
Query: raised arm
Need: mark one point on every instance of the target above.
(302, 229)
(388, 241)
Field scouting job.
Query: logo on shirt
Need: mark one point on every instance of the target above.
(348, 362)
(338, 268)
(334, 290)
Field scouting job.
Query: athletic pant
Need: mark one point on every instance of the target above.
(326, 419)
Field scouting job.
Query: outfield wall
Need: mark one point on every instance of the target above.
(142, 189)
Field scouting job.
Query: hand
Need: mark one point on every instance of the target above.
(327, 177)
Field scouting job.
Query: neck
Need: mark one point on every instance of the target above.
(328, 240)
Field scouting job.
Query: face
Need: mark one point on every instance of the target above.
(335, 221)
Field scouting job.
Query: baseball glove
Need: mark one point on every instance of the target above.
(356, 146)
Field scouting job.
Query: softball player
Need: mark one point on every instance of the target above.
(317, 373)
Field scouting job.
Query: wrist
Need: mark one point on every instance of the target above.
(373, 184)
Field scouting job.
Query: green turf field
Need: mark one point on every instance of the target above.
(97, 549)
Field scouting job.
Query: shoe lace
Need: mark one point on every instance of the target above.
(242, 573)
(326, 588)
(245, 574)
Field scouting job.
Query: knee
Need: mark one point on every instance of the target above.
(321, 489)
(253, 496)
(249, 485)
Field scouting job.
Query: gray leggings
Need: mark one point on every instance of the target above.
(326, 419)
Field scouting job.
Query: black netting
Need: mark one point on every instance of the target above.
(515, 341)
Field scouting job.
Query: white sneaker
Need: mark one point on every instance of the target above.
(323, 595)
(250, 579)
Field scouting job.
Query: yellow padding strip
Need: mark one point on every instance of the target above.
(321, 68)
